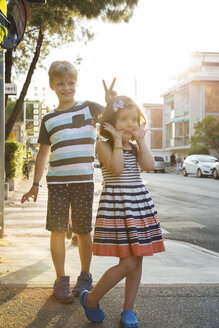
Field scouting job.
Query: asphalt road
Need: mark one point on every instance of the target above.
(188, 207)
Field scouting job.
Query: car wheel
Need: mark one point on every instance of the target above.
(215, 174)
(199, 173)
(184, 172)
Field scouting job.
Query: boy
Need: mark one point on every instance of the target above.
(69, 132)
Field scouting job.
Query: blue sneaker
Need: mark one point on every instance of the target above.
(84, 282)
(128, 319)
(93, 315)
(62, 290)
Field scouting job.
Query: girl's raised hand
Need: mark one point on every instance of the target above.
(115, 133)
(109, 93)
(140, 132)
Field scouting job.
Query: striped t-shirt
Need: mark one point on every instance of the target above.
(71, 134)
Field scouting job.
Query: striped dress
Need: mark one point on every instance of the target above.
(127, 221)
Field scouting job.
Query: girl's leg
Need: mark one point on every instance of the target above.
(57, 248)
(109, 279)
(131, 285)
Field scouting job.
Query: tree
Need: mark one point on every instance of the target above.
(206, 136)
(51, 25)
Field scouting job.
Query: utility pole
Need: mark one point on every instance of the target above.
(2, 143)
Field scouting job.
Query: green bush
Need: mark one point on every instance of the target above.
(14, 159)
(198, 149)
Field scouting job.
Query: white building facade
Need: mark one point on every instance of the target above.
(194, 96)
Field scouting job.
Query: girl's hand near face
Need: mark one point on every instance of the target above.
(112, 159)
(115, 133)
(140, 132)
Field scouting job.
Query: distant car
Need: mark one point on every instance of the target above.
(96, 163)
(216, 170)
(159, 164)
(201, 165)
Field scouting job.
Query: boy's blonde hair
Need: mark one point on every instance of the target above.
(57, 68)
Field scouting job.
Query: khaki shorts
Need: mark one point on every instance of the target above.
(78, 196)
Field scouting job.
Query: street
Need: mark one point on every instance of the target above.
(188, 207)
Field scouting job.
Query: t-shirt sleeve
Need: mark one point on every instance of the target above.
(43, 135)
(95, 109)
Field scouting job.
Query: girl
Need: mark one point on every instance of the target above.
(127, 224)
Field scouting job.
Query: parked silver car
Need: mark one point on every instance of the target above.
(160, 164)
(216, 170)
(201, 165)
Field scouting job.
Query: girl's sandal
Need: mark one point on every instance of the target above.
(96, 315)
(128, 319)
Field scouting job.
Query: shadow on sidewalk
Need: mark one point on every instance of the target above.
(56, 314)
(25, 274)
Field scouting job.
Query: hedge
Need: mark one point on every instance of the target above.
(14, 159)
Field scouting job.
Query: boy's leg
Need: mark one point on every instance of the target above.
(57, 248)
(85, 251)
(81, 206)
(57, 223)
(85, 280)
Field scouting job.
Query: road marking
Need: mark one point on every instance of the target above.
(182, 225)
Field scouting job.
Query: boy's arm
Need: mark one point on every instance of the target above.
(40, 165)
(97, 109)
(109, 93)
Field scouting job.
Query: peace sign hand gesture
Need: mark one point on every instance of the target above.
(109, 93)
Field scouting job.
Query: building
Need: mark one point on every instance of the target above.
(194, 96)
(38, 93)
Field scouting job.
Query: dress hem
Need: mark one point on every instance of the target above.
(127, 250)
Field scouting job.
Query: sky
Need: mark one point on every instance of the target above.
(144, 55)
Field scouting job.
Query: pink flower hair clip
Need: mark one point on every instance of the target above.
(118, 105)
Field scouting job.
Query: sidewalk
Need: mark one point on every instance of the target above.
(179, 288)
(26, 259)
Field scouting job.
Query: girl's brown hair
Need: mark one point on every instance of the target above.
(111, 111)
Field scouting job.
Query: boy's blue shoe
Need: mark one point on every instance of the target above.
(84, 282)
(93, 315)
(128, 319)
(62, 290)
